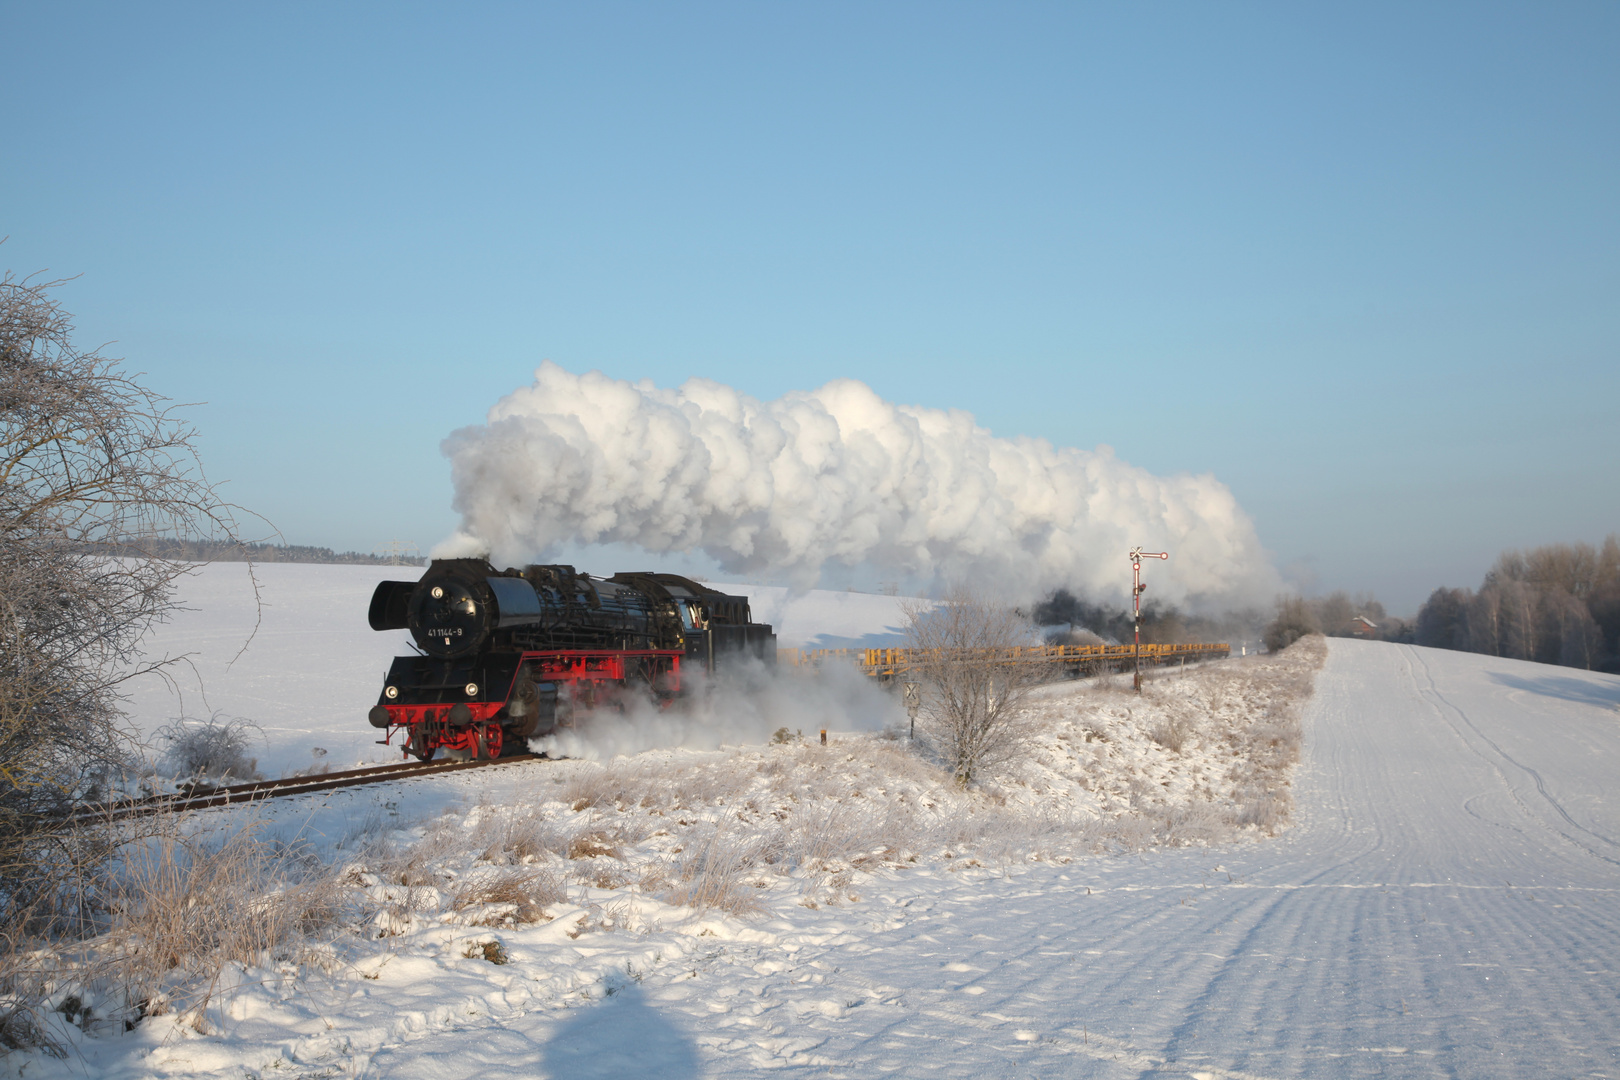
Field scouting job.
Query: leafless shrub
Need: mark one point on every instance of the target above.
(615, 786)
(1270, 743)
(22, 1025)
(626, 784)
(1180, 826)
(214, 749)
(1295, 619)
(414, 865)
(973, 682)
(522, 837)
(1171, 732)
(90, 462)
(603, 874)
(1002, 835)
(1266, 811)
(1113, 682)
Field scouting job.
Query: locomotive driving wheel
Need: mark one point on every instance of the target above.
(487, 743)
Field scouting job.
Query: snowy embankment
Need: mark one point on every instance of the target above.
(531, 889)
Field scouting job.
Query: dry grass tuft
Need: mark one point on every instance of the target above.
(593, 844)
(181, 910)
(507, 897)
(521, 837)
(710, 877)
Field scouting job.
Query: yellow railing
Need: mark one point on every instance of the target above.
(885, 662)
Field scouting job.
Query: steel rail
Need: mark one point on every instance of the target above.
(260, 790)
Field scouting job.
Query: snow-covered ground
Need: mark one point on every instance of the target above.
(1446, 903)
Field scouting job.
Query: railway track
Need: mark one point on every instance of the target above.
(259, 790)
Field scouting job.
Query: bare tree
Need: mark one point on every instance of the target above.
(1580, 641)
(1335, 614)
(1574, 568)
(1521, 618)
(93, 466)
(1295, 619)
(1483, 618)
(968, 658)
(1441, 620)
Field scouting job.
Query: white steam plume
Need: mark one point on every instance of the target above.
(835, 475)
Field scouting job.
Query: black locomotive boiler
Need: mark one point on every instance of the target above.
(509, 655)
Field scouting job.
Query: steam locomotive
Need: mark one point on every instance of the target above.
(510, 655)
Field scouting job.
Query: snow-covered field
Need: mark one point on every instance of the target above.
(1446, 902)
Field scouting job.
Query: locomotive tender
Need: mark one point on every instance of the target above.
(510, 655)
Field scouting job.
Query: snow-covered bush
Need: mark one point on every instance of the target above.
(215, 749)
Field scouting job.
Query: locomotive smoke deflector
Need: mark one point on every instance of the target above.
(389, 604)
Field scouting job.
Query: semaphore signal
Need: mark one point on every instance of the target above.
(1137, 589)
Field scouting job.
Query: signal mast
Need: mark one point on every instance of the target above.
(1137, 589)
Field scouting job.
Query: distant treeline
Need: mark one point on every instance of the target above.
(227, 551)
(1558, 604)
(1070, 620)
(1337, 614)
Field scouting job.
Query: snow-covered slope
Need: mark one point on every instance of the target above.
(1447, 904)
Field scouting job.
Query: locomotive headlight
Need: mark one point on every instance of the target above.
(472, 689)
(437, 593)
(391, 693)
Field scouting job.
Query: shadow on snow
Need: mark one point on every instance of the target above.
(1587, 691)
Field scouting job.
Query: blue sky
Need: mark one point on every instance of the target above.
(1359, 262)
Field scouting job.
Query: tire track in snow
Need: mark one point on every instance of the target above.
(1501, 755)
